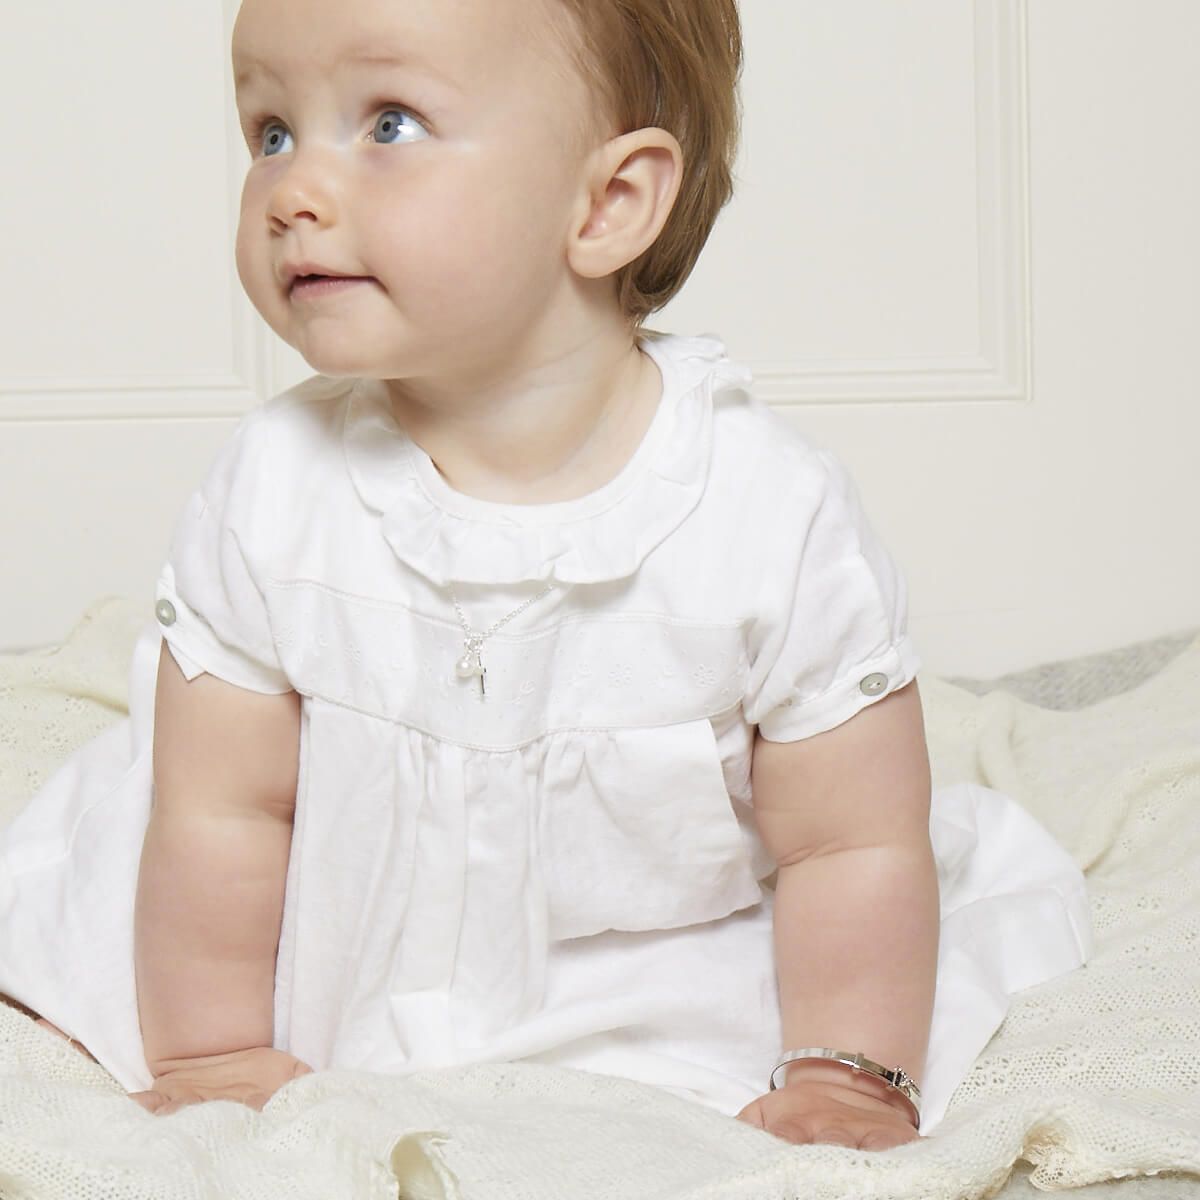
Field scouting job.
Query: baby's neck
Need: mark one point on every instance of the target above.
(552, 432)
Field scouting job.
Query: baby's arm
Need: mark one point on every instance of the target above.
(846, 816)
(210, 891)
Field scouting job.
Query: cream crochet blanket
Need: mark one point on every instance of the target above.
(1095, 1076)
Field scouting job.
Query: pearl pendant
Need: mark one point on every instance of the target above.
(465, 667)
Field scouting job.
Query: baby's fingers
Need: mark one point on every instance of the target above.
(752, 1114)
(164, 1104)
(790, 1128)
(836, 1136)
(151, 1101)
(887, 1139)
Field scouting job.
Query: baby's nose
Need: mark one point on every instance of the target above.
(306, 191)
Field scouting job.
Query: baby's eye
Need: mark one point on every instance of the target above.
(268, 136)
(396, 125)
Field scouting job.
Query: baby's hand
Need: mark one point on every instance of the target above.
(821, 1111)
(250, 1077)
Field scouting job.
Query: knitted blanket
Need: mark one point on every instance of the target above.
(1095, 1076)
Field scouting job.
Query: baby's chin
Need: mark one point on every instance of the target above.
(341, 354)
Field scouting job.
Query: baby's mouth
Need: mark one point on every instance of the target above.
(317, 285)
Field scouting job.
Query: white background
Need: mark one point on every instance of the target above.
(965, 255)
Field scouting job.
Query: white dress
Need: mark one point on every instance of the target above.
(565, 870)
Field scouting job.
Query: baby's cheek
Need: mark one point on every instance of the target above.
(463, 268)
(459, 252)
(252, 249)
(412, 247)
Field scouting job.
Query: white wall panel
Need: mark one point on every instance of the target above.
(88, 510)
(127, 348)
(880, 228)
(119, 214)
(1043, 499)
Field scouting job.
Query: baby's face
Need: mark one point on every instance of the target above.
(446, 182)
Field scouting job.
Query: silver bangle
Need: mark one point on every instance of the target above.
(895, 1077)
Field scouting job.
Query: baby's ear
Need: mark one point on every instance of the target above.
(632, 182)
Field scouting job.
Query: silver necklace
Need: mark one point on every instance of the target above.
(471, 663)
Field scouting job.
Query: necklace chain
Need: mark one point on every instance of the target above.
(516, 612)
(471, 664)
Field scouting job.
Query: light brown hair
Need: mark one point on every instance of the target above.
(674, 65)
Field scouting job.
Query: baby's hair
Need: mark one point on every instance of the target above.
(674, 65)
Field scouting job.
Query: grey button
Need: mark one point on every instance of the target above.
(874, 685)
(165, 612)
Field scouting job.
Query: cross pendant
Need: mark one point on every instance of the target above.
(471, 663)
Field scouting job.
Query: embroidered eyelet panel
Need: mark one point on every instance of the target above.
(582, 672)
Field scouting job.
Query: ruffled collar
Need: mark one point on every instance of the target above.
(450, 537)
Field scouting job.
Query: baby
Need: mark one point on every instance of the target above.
(500, 665)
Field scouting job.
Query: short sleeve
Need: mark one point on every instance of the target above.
(831, 635)
(209, 602)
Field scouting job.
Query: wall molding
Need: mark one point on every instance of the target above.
(230, 389)
(1003, 368)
